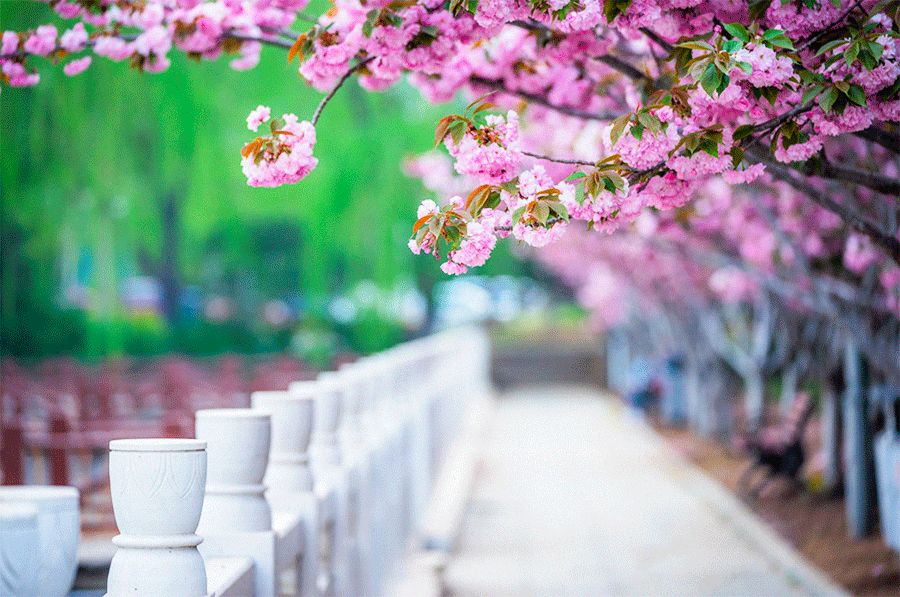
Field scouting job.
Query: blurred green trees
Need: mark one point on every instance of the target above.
(114, 174)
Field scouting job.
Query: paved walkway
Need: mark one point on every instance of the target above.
(575, 498)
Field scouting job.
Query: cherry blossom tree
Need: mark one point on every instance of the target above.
(711, 176)
(598, 111)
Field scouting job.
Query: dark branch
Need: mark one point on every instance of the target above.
(281, 43)
(657, 39)
(879, 136)
(338, 85)
(540, 100)
(559, 160)
(873, 180)
(853, 218)
(623, 67)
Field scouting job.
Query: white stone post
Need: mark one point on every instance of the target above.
(289, 484)
(19, 550)
(237, 519)
(292, 417)
(157, 490)
(324, 450)
(351, 576)
(58, 530)
(328, 482)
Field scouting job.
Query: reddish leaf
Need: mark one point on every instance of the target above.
(295, 49)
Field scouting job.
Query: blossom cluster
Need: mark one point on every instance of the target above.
(603, 117)
(284, 156)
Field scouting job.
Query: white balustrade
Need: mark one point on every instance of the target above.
(19, 550)
(315, 491)
(237, 519)
(290, 486)
(157, 488)
(58, 531)
(324, 450)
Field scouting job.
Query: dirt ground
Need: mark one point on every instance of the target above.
(813, 522)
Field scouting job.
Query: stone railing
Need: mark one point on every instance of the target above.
(313, 491)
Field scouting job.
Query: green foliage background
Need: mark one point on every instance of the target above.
(88, 162)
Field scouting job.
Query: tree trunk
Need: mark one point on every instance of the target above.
(754, 398)
(673, 403)
(617, 360)
(789, 382)
(696, 398)
(168, 259)
(859, 486)
(831, 437)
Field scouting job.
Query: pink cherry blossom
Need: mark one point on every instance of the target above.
(74, 39)
(286, 159)
(492, 155)
(258, 116)
(42, 41)
(77, 66)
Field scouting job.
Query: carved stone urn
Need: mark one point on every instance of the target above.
(19, 550)
(238, 442)
(58, 525)
(157, 488)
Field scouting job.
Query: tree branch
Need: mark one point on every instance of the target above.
(541, 100)
(872, 180)
(280, 43)
(853, 218)
(574, 162)
(657, 39)
(879, 136)
(623, 67)
(338, 85)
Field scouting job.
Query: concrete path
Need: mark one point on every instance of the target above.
(575, 498)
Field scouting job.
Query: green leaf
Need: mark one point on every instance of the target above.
(723, 84)
(710, 79)
(867, 60)
(613, 8)
(458, 130)
(710, 147)
(782, 42)
(617, 181)
(276, 124)
(758, 8)
(745, 66)
(696, 45)
(637, 131)
(857, 95)
(371, 19)
(618, 127)
(738, 31)
(851, 53)
(732, 45)
(742, 132)
(737, 156)
(830, 46)
(649, 121)
(827, 99)
(811, 93)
